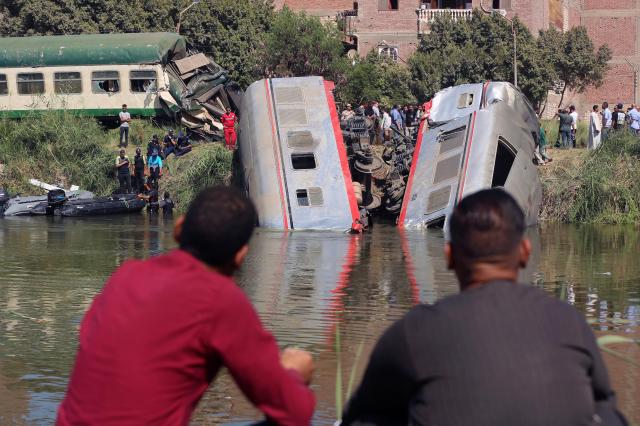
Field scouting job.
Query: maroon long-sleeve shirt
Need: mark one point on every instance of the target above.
(157, 335)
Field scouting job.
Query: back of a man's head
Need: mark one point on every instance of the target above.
(217, 225)
(486, 225)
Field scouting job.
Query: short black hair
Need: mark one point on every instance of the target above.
(605, 104)
(218, 223)
(595, 107)
(485, 224)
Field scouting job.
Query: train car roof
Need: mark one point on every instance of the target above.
(91, 49)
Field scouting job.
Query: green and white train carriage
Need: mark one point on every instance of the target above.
(94, 74)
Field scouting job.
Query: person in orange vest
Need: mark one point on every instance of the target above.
(229, 123)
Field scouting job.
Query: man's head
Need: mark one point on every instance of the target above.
(620, 106)
(228, 110)
(138, 151)
(572, 108)
(349, 107)
(124, 107)
(154, 138)
(487, 238)
(217, 228)
(170, 131)
(595, 108)
(122, 152)
(605, 105)
(154, 153)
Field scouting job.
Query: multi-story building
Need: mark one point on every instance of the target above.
(392, 27)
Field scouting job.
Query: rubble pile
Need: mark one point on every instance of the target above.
(380, 170)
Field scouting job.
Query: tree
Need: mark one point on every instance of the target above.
(575, 61)
(301, 45)
(233, 33)
(476, 50)
(376, 78)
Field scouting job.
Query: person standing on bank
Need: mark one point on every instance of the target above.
(595, 128)
(139, 165)
(124, 174)
(229, 120)
(155, 169)
(566, 123)
(498, 353)
(619, 118)
(125, 119)
(607, 121)
(161, 329)
(574, 124)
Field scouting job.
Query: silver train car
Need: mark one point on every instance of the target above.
(293, 158)
(479, 136)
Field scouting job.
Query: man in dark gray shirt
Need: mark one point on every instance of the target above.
(499, 353)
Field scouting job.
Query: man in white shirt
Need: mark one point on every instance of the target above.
(125, 119)
(385, 125)
(574, 124)
(634, 117)
(607, 120)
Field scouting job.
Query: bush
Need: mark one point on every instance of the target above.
(604, 188)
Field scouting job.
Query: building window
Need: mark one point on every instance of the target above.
(142, 81)
(4, 88)
(105, 82)
(31, 83)
(502, 4)
(384, 5)
(388, 51)
(67, 82)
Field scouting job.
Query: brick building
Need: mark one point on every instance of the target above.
(392, 27)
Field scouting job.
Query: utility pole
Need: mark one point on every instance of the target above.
(193, 3)
(492, 11)
(635, 81)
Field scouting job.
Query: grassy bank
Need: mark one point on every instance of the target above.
(601, 186)
(63, 149)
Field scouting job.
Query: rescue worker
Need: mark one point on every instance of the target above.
(139, 164)
(169, 143)
(229, 123)
(154, 145)
(124, 175)
(167, 204)
(183, 145)
(155, 169)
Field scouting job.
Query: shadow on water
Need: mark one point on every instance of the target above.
(330, 293)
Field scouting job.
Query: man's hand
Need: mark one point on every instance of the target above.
(300, 361)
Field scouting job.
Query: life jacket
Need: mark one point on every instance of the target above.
(138, 162)
(620, 119)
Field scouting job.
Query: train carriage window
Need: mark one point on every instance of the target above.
(67, 82)
(304, 161)
(105, 82)
(142, 81)
(4, 88)
(505, 156)
(303, 197)
(30, 83)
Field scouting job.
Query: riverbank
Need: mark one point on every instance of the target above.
(63, 149)
(602, 186)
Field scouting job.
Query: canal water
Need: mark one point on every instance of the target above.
(330, 293)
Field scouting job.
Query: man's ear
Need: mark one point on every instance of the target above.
(240, 256)
(525, 252)
(448, 255)
(177, 229)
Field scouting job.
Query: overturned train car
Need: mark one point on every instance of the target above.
(478, 136)
(294, 162)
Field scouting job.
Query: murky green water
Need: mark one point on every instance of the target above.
(330, 293)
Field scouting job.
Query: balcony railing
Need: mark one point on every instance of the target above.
(346, 21)
(429, 15)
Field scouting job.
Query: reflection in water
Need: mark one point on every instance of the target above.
(330, 293)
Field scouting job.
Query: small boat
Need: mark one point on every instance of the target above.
(24, 206)
(58, 205)
(478, 136)
(294, 161)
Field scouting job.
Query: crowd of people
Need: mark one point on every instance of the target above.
(498, 353)
(401, 119)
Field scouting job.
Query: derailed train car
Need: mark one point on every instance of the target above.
(294, 162)
(479, 136)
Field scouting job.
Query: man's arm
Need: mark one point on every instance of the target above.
(251, 355)
(388, 383)
(603, 394)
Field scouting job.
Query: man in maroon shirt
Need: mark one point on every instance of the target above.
(162, 328)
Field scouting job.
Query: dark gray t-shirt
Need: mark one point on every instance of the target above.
(498, 354)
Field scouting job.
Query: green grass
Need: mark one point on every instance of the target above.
(601, 187)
